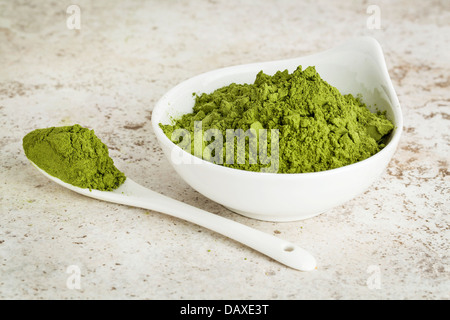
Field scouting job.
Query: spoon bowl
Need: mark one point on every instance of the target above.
(132, 194)
(357, 67)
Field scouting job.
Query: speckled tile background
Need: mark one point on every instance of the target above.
(392, 242)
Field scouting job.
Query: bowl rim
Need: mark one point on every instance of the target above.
(390, 146)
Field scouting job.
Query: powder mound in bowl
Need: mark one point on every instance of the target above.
(75, 155)
(319, 128)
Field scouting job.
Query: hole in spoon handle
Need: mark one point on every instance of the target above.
(288, 248)
(295, 257)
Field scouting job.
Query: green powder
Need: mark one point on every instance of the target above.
(74, 155)
(319, 128)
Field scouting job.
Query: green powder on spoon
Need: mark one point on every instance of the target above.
(74, 155)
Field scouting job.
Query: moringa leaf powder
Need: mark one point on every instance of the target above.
(74, 155)
(319, 128)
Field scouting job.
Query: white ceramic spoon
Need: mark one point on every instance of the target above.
(132, 194)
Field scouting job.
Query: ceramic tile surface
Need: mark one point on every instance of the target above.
(392, 242)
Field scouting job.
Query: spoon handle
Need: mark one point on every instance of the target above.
(132, 194)
(278, 249)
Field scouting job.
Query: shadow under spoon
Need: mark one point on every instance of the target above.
(132, 194)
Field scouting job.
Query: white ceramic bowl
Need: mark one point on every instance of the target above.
(357, 67)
